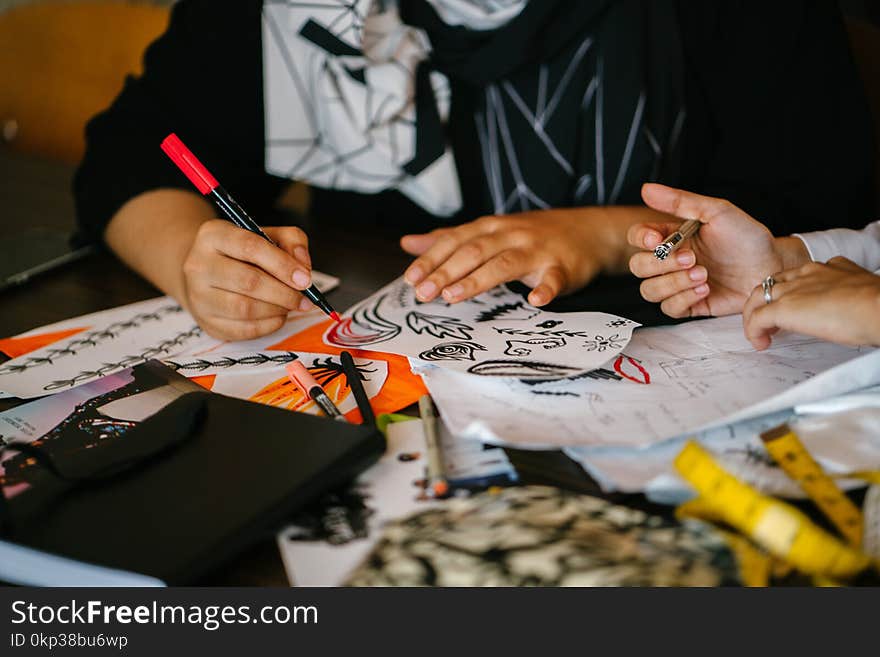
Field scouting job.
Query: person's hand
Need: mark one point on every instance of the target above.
(548, 250)
(714, 272)
(838, 302)
(238, 286)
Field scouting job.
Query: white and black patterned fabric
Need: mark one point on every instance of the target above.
(549, 109)
(541, 536)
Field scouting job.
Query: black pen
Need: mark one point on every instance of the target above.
(357, 388)
(208, 185)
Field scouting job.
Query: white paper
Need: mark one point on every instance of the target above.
(122, 337)
(128, 336)
(668, 382)
(841, 443)
(496, 334)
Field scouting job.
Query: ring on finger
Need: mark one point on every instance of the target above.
(767, 285)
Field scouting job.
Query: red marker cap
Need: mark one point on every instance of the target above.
(189, 164)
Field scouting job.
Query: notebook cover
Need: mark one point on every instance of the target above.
(194, 506)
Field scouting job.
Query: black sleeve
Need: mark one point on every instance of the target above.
(778, 120)
(203, 80)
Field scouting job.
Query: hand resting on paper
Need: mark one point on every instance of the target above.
(716, 270)
(838, 301)
(554, 252)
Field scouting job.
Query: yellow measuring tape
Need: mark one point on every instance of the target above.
(778, 534)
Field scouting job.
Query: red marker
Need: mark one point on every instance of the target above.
(208, 185)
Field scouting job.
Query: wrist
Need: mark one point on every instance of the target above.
(792, 252)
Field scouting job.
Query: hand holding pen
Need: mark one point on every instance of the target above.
(708, 272)
(241, 281)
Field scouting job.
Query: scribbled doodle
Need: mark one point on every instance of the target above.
(549, 323)
(452, 351)
(527, 346)
(561, 333)
(521, 369)
(438, 326)
(365, 327)
(600, 343)
(254, 360)
(166, 347)
(631, 369)
(506, 310)
(91, 339)
(617, 323)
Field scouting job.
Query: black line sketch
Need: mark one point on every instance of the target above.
(521, 369)
(439, 326)
(202, 364)
(544, 343)
(90, 339)
(551, 393)
(452, 351)
(561, 333)
(506, 310)
(549, 324)
(365, 327)
(600, 343)
(617, 323)
(163, 348)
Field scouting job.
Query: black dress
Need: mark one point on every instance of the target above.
(776, 122)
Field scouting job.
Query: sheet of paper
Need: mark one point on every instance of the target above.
(665, 384)
(496, 334)
(842, 443)
(122, 337)
(158, 328)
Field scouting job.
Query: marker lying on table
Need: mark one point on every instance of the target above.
(436, 468)
(687, 230)
(301, 378)
(208, 185)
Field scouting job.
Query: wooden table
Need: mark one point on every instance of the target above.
(37, 193)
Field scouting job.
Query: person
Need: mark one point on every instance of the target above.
(823, 284)
(507, 140)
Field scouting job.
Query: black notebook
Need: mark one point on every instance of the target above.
(189, 487)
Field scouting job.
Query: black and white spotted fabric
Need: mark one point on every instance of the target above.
(540, 536)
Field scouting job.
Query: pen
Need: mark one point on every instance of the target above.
(206, 183)
(436, 469)
(687, 230)
(357, 388)
(301, 378)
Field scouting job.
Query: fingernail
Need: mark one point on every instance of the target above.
(302, 254)
(414, 275)
(685, 259)
(305, 305)
(697, 274)
(701, 290)
(301, 279)
(453, 292)
(426, 289)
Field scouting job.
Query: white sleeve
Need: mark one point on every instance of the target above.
(860, 246)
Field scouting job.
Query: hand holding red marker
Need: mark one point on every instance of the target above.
(210, 188)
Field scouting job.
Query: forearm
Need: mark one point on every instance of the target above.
(154, 232)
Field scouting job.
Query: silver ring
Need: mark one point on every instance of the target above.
(767, 285)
